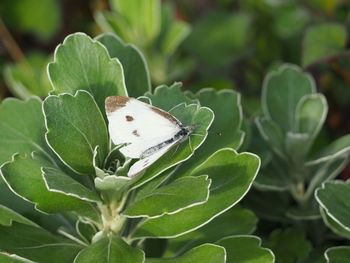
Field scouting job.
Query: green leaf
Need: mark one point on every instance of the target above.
(225, 132)
(75, 126)
(322, 41)
(235, 221)
(338, 254)
(229, 35)
(28, 77)
(282, 91)
(137, 79)
(174, 36)
(110, 249)
(23, 175)
(334, 225)
(143, 18)
(246, 249)
(336, 149)
(289, 245)
(37, 22)
(7, 258)
(207, 253)
(7, 216)
(191, 115)
(58, 182)
(311, 113)
(22, 128)
(81, 63)
(170, 199)
(232, 175)
(37, 244)
(167, 97)
(333, 198)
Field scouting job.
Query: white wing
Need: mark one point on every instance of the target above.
(139, 124)
(142, 164)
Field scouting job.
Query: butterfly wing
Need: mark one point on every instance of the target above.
(142, 164)
(138, 124)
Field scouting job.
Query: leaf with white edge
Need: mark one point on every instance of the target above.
(201, 118)
(225, 132)
(246, 249)
(232, 175)
(75, 126)
(207, 253)
(23, 174)
(311, 113)
(170, 199)
(282, 91)
(7, 216)
(81, 63)
(334, 225)
(235, 221)
(167, 97)
(110, 249)
(322, 41)
(272, 135)
(289, 245)
(28, 77)
(333, 198)
(338, 148)
(12, 258)
(338, 254)
(22, 128)
(59, 182)
(137, 79)
(37, 244)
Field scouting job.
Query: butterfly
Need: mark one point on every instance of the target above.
(145, 131)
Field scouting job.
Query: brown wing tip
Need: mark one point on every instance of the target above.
(113, 103)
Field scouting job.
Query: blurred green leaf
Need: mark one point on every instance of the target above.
(110, 249)
(289, 245)
(322, 41)
(246, 249)
(226, 190)
(28, 77)
(37, 21)
(81, 63)
(218, 38)
(282, 91)
(170, 199)
(137, 79)
(207, 253)
(76, 121)
(338, 254)
(174, 36)
(334, 225)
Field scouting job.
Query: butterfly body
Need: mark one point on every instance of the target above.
(146, 132)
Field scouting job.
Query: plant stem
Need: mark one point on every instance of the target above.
(10, 44)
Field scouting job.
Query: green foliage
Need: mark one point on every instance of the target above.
(153, 28)
(57, 156)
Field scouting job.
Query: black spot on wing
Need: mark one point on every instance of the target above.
(135, 132)
(129, 118)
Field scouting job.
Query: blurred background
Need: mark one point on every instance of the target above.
(224, 44)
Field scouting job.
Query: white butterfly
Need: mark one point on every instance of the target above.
(147, 131)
